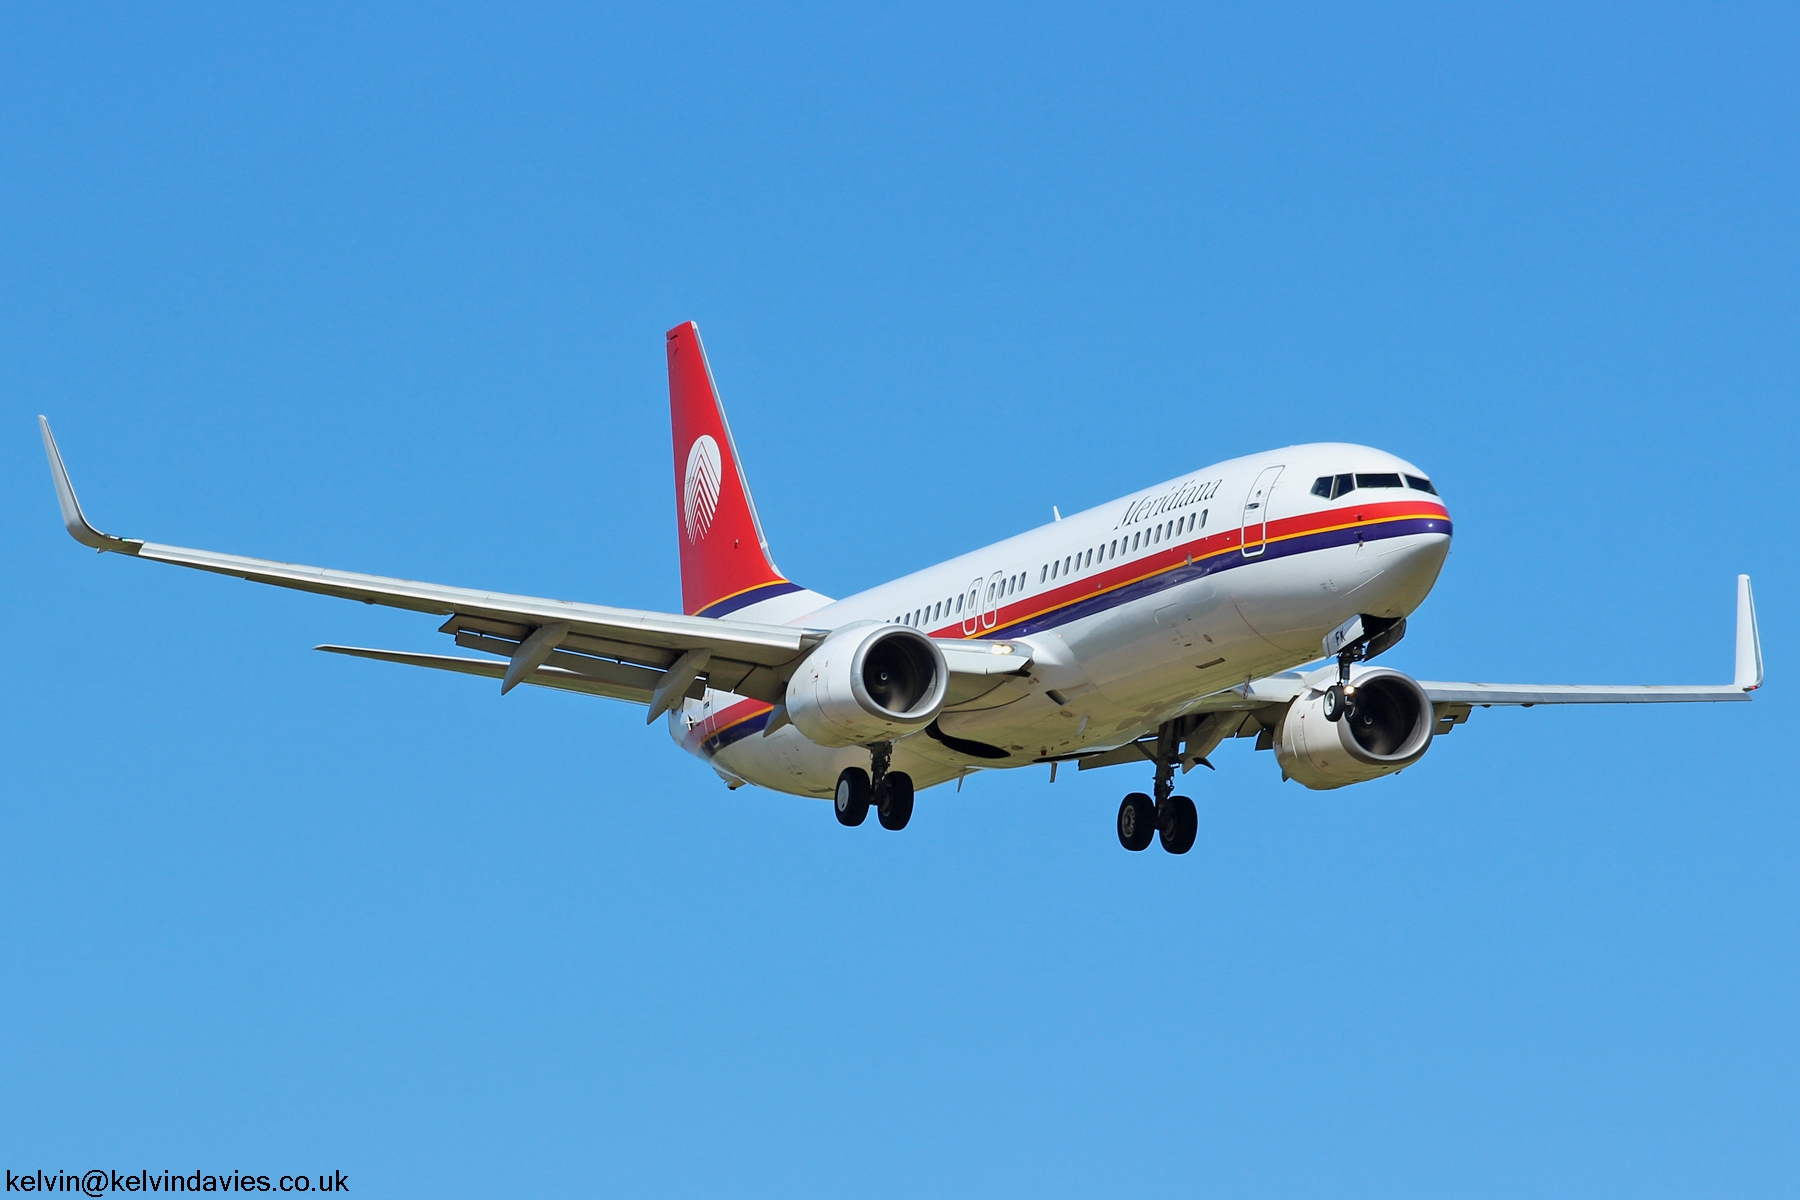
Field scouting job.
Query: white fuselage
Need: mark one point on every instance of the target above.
(1132, 610)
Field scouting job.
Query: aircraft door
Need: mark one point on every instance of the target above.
(1255, 525)
(971, 613)
(990, 608)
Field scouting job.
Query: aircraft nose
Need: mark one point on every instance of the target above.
(1410, 569)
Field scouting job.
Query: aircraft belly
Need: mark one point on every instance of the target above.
(785, 761)
(1166, 645)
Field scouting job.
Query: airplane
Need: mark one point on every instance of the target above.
(1145, 632)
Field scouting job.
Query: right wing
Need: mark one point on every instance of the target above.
(625, 652)
(629, 654)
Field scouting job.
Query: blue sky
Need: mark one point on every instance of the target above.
(385, 290)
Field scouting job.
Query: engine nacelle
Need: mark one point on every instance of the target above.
(1389, 728)
(869, 683)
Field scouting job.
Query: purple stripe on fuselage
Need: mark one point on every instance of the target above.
(1225, 561)
(735, 733)
(731, 604)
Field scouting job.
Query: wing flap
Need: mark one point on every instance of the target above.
(1529, 694)
(585, 680)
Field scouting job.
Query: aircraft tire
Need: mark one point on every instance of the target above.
(1334, 702)
(1177, 823)
(896, 805)
(1137, 821)
(852, 798)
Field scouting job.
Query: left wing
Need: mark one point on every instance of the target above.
(1452, 702)
(1254, 708)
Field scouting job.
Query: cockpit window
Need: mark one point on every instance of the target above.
(1418, 484)
(1382, 480)
(1330, 487)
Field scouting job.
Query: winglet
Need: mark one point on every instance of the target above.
(1749, 675)
(73, 520)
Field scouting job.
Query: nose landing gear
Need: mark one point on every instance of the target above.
(1359, 639)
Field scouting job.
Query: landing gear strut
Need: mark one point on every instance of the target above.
(1169, 816)
(891, 792)
(1356, 640)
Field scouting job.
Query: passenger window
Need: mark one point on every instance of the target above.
(959, 604)
(1090, 559)
(1043, 573)
(1203, 518)
(1054, 567)
(1112, 550)
(1378, 480)
(1134, 541)
(1420, 485)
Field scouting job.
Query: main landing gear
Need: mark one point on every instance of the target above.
(890, 792)
(1172, 818)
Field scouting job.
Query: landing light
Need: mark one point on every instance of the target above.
(1000, 648)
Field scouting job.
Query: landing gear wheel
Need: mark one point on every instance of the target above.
(1177, 823)
(896, 800)
(852, 799)
(1334, 702)
(1137, 821)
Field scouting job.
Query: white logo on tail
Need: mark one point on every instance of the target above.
(700, 488)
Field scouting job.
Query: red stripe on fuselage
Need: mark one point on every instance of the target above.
(719, 722)
(1177, 553)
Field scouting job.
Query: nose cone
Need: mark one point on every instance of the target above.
(1409, 569)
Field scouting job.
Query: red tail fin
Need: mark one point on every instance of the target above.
(724, 556)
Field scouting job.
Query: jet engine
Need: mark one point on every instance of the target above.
(1388, 726)
(869, 683)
